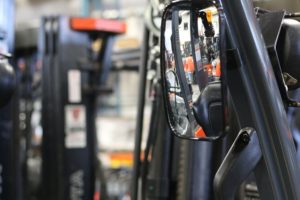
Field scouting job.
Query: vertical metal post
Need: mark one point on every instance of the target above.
(68, 166)
(266, 105)
(140, 117)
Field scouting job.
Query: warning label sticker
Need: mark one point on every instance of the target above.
(74, 86)
(75, 128)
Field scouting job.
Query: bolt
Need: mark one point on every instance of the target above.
(245, 137)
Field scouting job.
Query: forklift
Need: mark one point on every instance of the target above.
(76, 56)
(63, 72)
(234, 102)
(169, 168)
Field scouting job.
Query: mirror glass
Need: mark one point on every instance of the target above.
(191, 71)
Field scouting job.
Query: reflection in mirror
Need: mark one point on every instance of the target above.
(192, 71)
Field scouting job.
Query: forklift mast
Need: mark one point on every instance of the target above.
(76, 55)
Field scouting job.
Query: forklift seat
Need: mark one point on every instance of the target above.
(208, 109)
(289, 49)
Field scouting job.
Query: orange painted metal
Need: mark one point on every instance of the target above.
(101, 25)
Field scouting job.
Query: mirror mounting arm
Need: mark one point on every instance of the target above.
(245, 152)
(209, 29)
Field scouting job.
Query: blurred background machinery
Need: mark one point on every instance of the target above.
(40, 134)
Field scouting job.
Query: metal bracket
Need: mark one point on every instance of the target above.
(240, 161)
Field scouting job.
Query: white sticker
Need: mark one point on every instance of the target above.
(74, 86)
(75, 128)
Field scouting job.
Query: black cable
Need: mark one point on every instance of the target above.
(156, 105)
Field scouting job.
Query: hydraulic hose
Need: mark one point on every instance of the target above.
(151, 137)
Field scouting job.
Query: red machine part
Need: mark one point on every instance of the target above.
(100, 25)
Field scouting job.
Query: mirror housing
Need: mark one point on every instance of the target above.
(192, 52)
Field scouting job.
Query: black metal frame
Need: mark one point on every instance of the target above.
(265, 108)
(242, 158)
(140, 117)
(70, 171)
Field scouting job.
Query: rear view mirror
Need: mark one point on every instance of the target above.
(191, 70)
